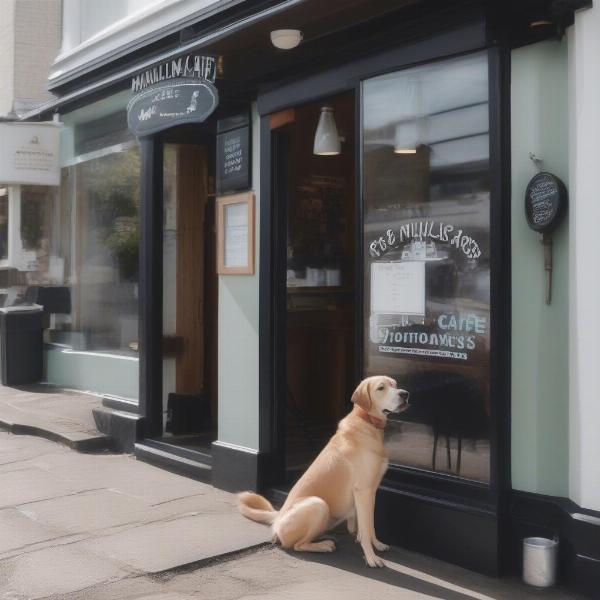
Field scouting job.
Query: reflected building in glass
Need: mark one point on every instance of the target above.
(427, 259)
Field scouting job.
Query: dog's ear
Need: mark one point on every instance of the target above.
(362, 395)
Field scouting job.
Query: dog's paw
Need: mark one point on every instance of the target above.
(327, 545)
(380, 546)
(374, 561)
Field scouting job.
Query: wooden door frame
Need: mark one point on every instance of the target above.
(151, 275)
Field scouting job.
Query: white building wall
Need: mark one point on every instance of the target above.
(96, 16)
(584, 286)
(7, 52)
(30, 32)
(94, 29)
(37, 27)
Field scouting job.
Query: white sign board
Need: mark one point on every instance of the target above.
(398, 288)
(29, 153)
(236, 235)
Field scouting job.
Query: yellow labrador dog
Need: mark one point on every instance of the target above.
(341, 483)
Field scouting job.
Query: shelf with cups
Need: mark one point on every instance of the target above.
(315, 298)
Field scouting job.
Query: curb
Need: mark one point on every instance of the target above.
(206, 562)
(85, 445)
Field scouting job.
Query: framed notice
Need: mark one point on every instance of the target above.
(235, 234)
(398, 288)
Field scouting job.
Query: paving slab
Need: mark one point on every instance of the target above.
(56, 570)
(18, 531)
(120, 472)
(59, 415)
(31, 484)
(88, 512)
(182, 541)
(20, 449)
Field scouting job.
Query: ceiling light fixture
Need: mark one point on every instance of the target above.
(286, 39)
(327, 139)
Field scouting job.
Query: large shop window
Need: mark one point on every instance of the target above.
(427, 259)
(78, 254)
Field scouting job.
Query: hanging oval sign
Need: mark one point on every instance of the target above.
(545, 202)
(162, 106)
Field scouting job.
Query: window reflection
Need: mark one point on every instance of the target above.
(427, 290)
(107, 267)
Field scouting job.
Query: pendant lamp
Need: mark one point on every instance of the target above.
(406, 138)
(327, 139)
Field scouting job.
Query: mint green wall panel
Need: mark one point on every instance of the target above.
(540, 349)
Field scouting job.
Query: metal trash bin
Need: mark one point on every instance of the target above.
(21, 344)
(539, 561)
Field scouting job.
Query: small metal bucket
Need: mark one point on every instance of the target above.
(539, 561)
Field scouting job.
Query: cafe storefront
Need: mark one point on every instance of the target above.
(392, 264)
(338, 209)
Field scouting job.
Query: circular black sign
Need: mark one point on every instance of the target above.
(545, 202)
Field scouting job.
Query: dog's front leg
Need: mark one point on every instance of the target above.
(364, 501)
(380, 546)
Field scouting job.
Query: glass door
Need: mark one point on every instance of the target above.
(426, 186)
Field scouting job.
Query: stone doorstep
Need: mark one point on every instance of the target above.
(79, 441)
(122, 429)
(59, 427)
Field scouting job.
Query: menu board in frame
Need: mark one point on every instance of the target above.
(235, 234)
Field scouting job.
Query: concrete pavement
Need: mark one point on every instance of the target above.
(104, 526)
(273, 574)
(69, 521)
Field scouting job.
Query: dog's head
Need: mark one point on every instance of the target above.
(379, 396)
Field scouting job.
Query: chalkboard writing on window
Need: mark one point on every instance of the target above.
(233, 154)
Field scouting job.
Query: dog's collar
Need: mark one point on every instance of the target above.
(365, 416)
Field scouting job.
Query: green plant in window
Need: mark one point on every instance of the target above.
(124, 244)
(114, 198)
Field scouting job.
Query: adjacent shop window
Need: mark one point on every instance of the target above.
(44, 235)
(427, 259)
(40, 241)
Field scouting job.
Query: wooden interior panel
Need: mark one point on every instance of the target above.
(191, 209)
(281, 118)
(321, 225)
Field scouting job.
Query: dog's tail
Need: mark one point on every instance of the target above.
(257, 508)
